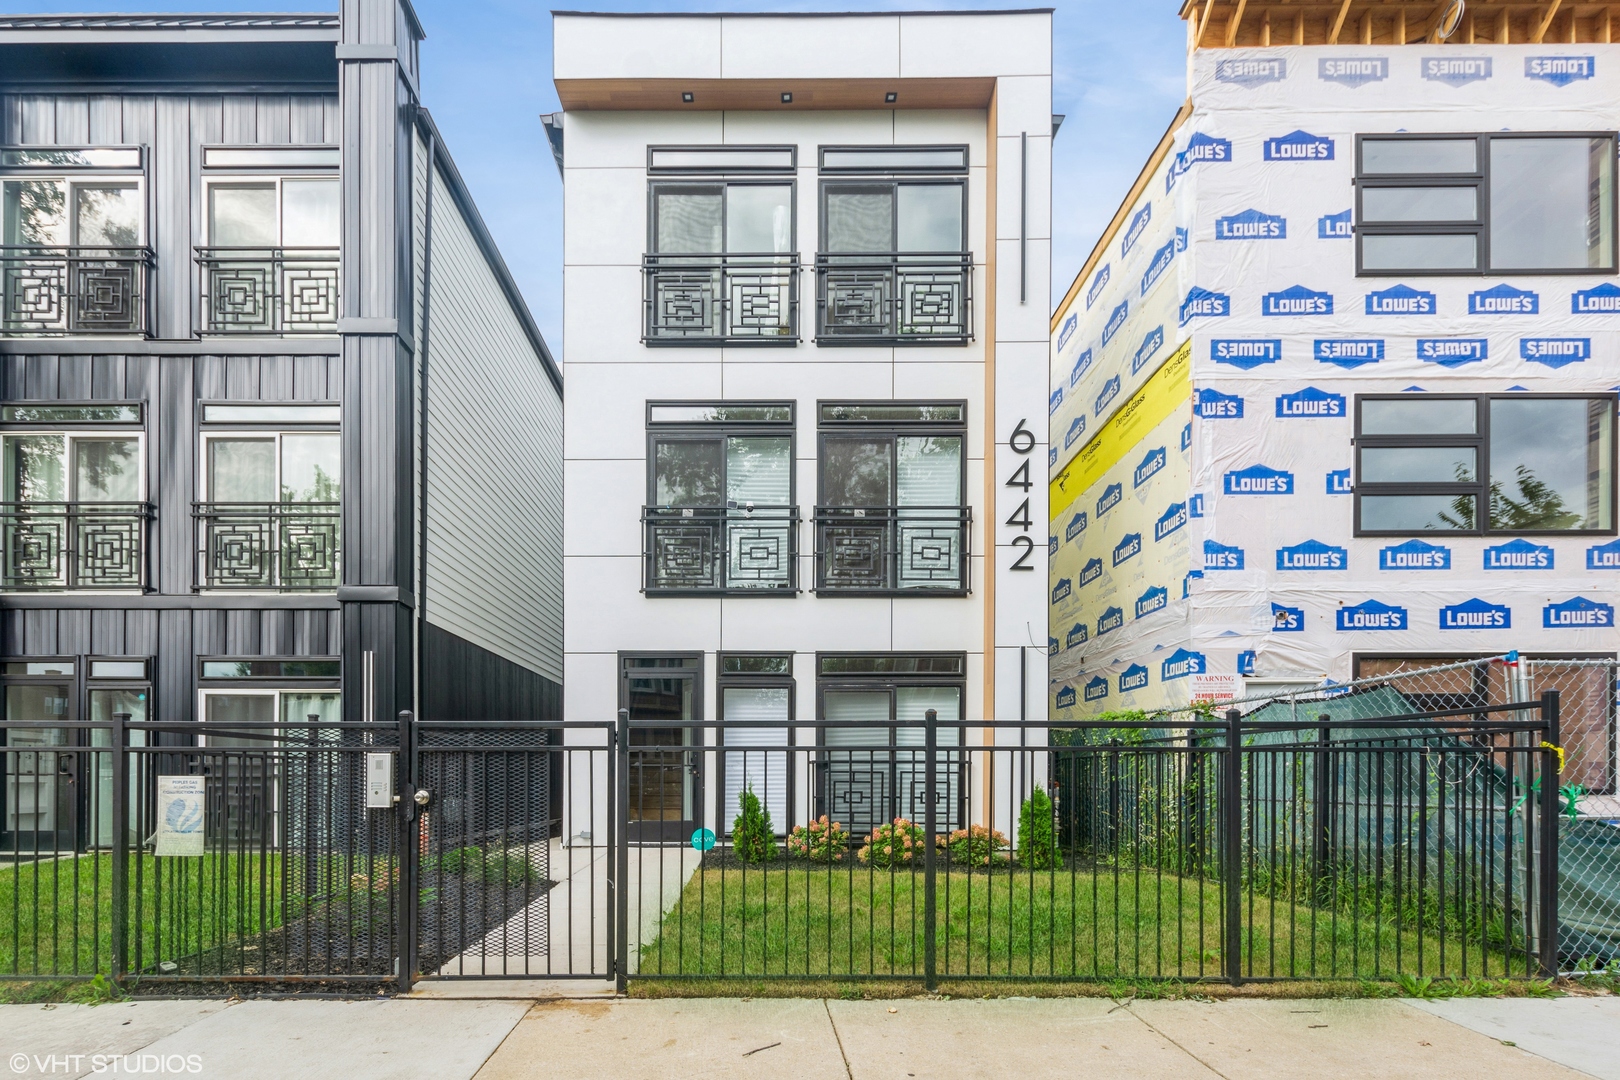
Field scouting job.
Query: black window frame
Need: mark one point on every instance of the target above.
(892, 430)
(707, 281)
(890, 681)
(719, 431)
(725, 181)
(280, 681)
(1480, 179)
(854, 274)
(755, 680)
(1480, 486)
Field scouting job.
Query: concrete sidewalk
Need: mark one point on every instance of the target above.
(397, 1039)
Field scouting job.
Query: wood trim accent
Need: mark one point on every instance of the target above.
(1160, 152)
(766, 94)
(990, 518)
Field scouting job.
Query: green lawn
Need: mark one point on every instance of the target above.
(844, 922)
(204, 913)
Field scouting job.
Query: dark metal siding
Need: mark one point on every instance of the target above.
(465, 682)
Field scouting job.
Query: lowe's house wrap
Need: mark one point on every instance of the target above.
(1295, 434)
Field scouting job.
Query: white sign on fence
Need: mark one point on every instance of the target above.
(1212, 688)
(179, 815)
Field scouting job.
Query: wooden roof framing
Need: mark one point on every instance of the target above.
(1216, 24)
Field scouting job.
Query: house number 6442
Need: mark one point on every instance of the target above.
(1022, 442)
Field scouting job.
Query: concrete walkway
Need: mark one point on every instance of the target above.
(396, 1039)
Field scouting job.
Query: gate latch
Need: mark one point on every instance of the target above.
(422, 797)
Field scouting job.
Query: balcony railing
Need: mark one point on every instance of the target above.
(52, 546)
(720, 299)
(894, 299)
(707, 549)
(286, 547)
(893, 550)
(74, 290)
(269, 290)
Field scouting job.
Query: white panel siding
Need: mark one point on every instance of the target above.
(494, 461)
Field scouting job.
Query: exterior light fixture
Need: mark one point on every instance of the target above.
(686, 96)
(787, 99)
(889, 98)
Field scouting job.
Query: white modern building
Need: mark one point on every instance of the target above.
(1335, 392)
(807, 281)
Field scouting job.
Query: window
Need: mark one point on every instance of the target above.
(1522, 463)
(720, 514)
(268, 795)
(269, 516)
(872, 702)
(723, 260)
(894, 262)
(72, 241)
(756, 709)
(272, 230)
(891, 517)
(74, 513)
(1475, 204)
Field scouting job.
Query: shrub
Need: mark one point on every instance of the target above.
(976, 845)
(509, 867)
(898, 843)
(752, 838)
(1036, 847)
(820, 841)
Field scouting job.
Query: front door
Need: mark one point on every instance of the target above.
(40, 789)
(666, 761)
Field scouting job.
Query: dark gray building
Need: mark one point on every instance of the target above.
(280, 436)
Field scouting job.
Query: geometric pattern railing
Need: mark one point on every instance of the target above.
(894, 299)
(269, 290)
(704, 549)
(720, 299)
(74, 290)
(54, 546)
(289, 547)
(890, 549)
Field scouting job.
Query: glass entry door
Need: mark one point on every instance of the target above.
(40, 789)
(666, 760)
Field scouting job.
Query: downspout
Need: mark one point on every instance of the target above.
(422, 472)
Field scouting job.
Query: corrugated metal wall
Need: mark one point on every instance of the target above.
(494, 503)
(174, 128)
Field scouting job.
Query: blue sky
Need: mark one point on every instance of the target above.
(1120, 75)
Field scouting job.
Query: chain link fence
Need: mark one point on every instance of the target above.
(1589, 823)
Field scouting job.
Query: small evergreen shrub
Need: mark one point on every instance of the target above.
(976, 845)
(822, 840)
(1037, 847)
(752, 838)
(899, 843)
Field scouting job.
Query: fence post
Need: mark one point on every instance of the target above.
(1322, 850)
(620, 838)
(409, 854)
(1550, 811)
(930, 824)
(1232, 847)
(118, 961)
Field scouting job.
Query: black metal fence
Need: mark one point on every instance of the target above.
(1191, 847)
